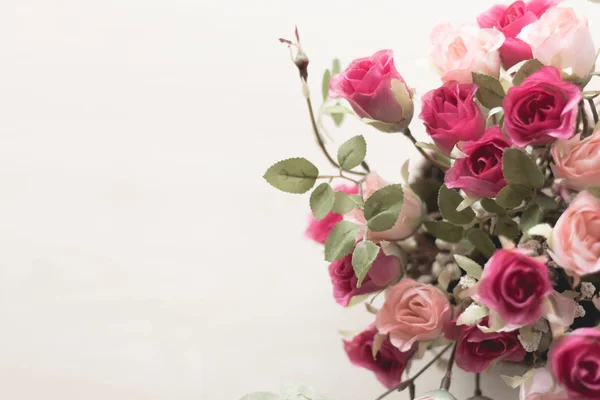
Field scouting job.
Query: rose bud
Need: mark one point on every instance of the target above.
(389, 363)
(577, 161)
(410, 217)
(574, 360)
(514, 285)
(541, 109)
(459, 51)
(385, 270)
(318, 230)
(510, 20)
(479, 174)
(413, 312)
(476, 350)
(376, 91)
(562, 40)
(576, 236)
(451, 115)
(541, 386)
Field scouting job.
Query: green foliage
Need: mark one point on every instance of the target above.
(444, 231)
(526, 69)
(344, 202)
(492, 207)
(336, 67)
(325, 84)
(512, 196)
(427, 190)
(546, 203)
(531, 217)
(294, 175)
(594, 190)
(469, 266)
(321, 200)
(481, 241)
(490, 92)
(520, 169)
(506, 227)
(383, 207)
(362, 259)
(352, 152)
(448, 201)
(340, 241)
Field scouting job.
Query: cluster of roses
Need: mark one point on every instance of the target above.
(511, 133)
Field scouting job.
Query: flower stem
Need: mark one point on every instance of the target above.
(427, 156)
(584, 120)
(594, 111)
(478, 384)
(448, 375)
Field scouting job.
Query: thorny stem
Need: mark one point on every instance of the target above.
(411, 380)
(448, 375)
(428, 157)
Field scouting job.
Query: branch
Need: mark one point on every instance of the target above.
(448, 375)
(427, 156)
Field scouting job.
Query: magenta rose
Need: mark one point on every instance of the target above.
(375, 90)
(479, 174)
(476, 350)
(541, 109)
(574, 360)
(451, 115)
(318, 230)
(514, 285)
(510, 20)
(388, 365)
(384, 271)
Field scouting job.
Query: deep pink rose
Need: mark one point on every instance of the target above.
(541, 109)
(510, 20)
(514, 285)
(388, 365)
(451, 115)
(480, 173)
(574, 360)
(375, 90)
(384, 271)
(476, 350)
(413, 312)
(318, 230)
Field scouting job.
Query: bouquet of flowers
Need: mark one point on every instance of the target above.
(491, 252)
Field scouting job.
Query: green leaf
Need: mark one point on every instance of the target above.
(294, 175)
(405, 171)
(490, 91)
(547, 203)
(444, 231)
(336, 66)
(481, 241)
(520, 169)
(469, 266)
(512, 196)
(506, 227)
(344, 202)
(261, 396)
(448, 201)
(362, 259)
(526, 69)
(472, 315)
(594, 190)
(383, 207)
(427, 189)
(352, 152)
(336, 109)
(531, 217)
(337, 119)
(321, 200)
(340, 241)
(325, 84)
(492, 207)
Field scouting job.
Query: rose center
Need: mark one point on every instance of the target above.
(512, 13)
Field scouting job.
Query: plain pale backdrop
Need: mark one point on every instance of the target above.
(142, 256)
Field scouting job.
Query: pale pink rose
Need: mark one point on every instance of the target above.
(413, 312)
(576, 236)
(459, 51)
(578, 161)
(541, 387)
(410, 217)
(563, 40)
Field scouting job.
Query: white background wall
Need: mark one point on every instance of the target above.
(141, 254)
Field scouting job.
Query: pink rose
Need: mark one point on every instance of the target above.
(459, 51)
(562, 40)
(476, 350)
(576, 236)
(574, 360)
(451, 115)
(413, 312)
(577, 161)
(375, 90)
(318, 230)
(510, 20)
(388, 365)
(541, 109)
(514, 285)
(480, 173)
(410, 217)
(541, 386)
(384, 271)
